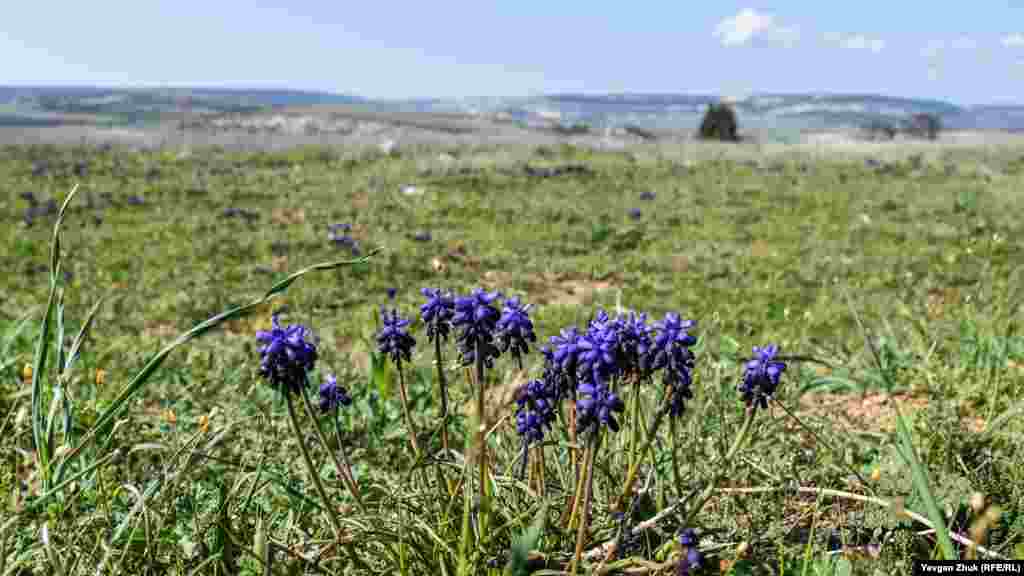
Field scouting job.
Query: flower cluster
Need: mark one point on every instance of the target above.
(332, 395)
(394, 339)
(286, 356)
(761, 377)
(478, 318)
(515, 329)
(597, 405)
(437, 313)
(339, 234)
(691, 559)
(537, 401)
(671, 353)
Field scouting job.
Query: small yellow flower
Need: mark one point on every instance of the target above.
(876, 474)
(101, 376)
(204, 423)
(170, 417)
(26, 372)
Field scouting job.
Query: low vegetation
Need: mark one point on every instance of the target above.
(420, 363)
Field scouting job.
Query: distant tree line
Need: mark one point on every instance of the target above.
(719, 123)
(923, 126)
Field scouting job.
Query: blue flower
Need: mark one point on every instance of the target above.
(536, 409)
(635, 341)
(515, 329)
(286, 356)
(332, 395)
(761, 377)
(566, 350)
(647, 195)
(339, 234)
(670, 352)
(478, 319)
(597, 407)
(691, 560)
(392, 292)
(635, 213)
(393, 340)
(598, 351)
(437, 313)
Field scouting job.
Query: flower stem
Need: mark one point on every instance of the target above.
(344, 471)
(328, 509)
(674, 433)
(720, 467)
(443, 385)
(481, 441)
(588, 485)
(405, 409)
(635, 468)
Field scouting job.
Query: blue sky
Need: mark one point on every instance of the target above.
(964, 52)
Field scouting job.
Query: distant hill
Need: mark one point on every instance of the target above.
(52, 105)
(782, 112)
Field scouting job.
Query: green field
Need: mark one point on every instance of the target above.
(820, 256)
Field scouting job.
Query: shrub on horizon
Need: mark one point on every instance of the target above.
(719, 123)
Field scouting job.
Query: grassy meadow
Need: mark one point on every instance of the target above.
(890, 284)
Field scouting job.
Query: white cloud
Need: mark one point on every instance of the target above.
(854, 41)
(1013, 40)
(740, 29)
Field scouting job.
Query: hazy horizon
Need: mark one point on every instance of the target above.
(965, 54)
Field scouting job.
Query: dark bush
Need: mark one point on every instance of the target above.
(923, 126)
(719, 123)
(880, 130)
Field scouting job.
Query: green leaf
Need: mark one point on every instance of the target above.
(380, 375)
(520, 554)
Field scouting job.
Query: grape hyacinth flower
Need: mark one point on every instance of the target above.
(392, 292)
(691, 559)
(478, 319)
(635, 342)
(635, 213)
(536, 409)
(515, 329)
(394, 340)
(339, 234)
(332, 395)
(647, 195)
(437, 313)
(598, 351)
(761, 377)
(597, 407)
(287, 355)
(566, 353)
(671, 353)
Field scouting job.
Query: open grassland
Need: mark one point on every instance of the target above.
(916, 255)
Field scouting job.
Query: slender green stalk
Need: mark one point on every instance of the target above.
(443, 386)
(405, 410)
(343, 471)
(720, 467)
(588, 486)
(481, 441)
(311, 468)
(677, 478)
(652, 430)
